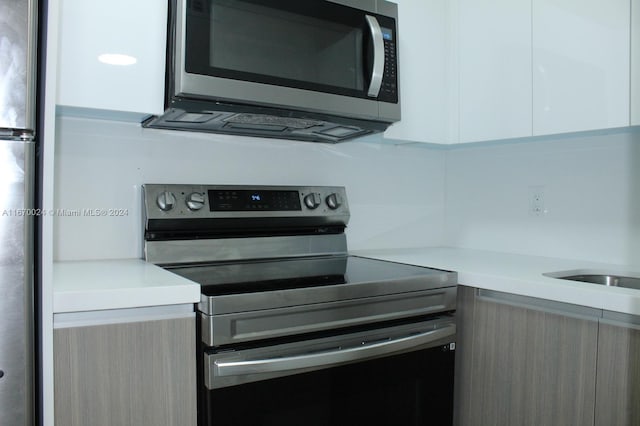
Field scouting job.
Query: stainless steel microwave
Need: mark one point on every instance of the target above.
(314, 70)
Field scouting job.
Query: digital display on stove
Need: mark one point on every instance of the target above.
(246, 200)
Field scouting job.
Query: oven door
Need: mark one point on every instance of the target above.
(286, 53)
(397, 375)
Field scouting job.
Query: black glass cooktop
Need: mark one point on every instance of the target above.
(283, 274)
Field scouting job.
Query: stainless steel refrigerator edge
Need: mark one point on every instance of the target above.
(18, 32)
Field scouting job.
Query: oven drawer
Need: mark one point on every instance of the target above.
(234, 367)
(219, 330)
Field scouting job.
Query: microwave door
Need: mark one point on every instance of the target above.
(312, 45)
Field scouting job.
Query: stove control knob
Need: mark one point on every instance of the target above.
(166, 200)
(333, 201)
(312, 200)
(195, 201)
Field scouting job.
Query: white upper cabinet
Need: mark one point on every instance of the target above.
(98, 42)
(635, 62)
(495, 69)
(424, 69)
(580, 65)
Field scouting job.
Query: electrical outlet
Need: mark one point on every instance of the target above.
(536, 201)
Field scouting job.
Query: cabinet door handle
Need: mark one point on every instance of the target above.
(543, 305)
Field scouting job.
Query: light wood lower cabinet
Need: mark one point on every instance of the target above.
(138, 373)
(520, 365)
(618, 383)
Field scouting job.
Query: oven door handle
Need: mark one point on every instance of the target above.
(333, 357)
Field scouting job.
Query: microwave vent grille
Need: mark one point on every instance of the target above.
(272, 120)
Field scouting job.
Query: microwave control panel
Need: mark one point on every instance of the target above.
(389, 89)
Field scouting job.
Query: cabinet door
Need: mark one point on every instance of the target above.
(618, 384)
(522, 366)
(140, 373)
(495, 69)
(635, 62)
(424, 69)
(580, 65)
(91, 29)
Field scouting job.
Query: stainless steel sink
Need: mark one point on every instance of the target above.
(598, 277)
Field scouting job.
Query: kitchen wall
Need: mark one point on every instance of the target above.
(590, 186)
(396, 193)
(473, 196)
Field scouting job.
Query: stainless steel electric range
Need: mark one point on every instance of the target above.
(292, 329)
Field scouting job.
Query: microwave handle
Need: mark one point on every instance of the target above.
(378, 56)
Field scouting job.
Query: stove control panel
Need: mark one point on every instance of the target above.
(168, 201)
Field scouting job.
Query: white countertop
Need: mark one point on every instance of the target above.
(117, 284)
(522, 275)
(133, 283)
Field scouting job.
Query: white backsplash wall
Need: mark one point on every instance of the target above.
(590, 188)
(395, 193)
(470, 196)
